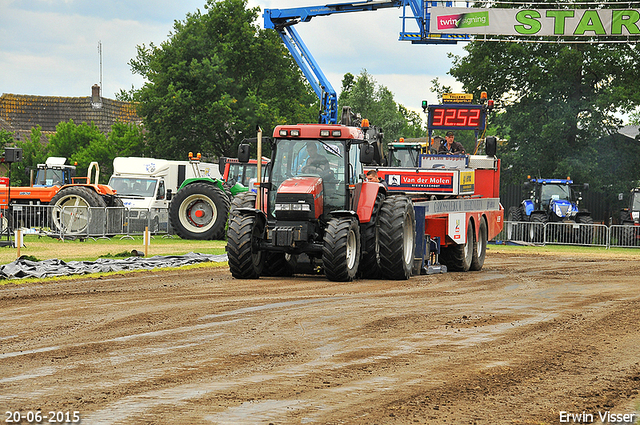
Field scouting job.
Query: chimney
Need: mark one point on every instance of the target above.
(96, 99)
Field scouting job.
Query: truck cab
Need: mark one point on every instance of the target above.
(146, 185)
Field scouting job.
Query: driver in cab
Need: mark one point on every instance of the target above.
(316, 163)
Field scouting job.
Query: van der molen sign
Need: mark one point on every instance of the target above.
(536, 22)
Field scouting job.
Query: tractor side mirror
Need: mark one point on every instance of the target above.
(221, 164)
(367, 153)
(491, 145)
(585, 186)
(169, 194)
(243, 153)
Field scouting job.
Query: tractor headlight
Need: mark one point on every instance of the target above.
(294, 207)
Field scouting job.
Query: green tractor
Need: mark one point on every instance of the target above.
(200, 208)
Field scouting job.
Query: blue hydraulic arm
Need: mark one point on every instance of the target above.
(283, 20)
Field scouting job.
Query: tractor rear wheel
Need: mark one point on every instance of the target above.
(370, 262)
(397, 233)
(585, 231)
(481, 246)
(246, 260)
(514, 228)
(458, 257)
(71, 212)
(199, 211)
(536, 228)
(341, 250)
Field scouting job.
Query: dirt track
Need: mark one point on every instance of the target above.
(519, 342)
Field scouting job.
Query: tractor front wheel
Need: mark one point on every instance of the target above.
(341, 250)
(246, 260)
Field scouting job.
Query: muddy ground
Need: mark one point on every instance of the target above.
(525, 339)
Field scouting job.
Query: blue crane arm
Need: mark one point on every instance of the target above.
(283, 20)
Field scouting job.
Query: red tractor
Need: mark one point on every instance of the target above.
(317, 212)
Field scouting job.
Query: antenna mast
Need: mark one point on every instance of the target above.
(100, 54)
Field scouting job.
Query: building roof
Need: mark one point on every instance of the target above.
(20, 113)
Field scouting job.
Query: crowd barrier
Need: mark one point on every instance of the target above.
(552, 233)
(85, 222)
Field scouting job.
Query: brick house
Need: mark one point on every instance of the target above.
(20, 113)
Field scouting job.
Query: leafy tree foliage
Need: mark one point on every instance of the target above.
(554, 103)
(34, 152)
(375, 102)
(216, 78)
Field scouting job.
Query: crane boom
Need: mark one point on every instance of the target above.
(283, 21)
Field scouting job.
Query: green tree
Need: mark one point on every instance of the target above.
(375, 102)
(214, 80)
(34, 152)
(554, 102)
(6, 137)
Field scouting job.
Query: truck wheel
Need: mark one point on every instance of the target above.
(370, 262)
(71, 211)
(458, 258)
(481, 247)
(246, 261)
(244, 200)
(396, 234)
(536, 228)
(514, 229)
(199, 211)
(341, 250)
(585, 231)
(279, 264)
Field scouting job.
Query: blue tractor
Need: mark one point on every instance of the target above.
(551, 200)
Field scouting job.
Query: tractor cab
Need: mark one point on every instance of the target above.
(54, 172)
(406, 154)
(312, 175)
(555, 197)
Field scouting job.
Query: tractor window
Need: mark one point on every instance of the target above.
(554, 192)
(635, 204)
(49, 177)
(404, 157)
(315, 158)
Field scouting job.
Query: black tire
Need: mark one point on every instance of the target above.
(480, 251)
(396, 237)
(341, 250)
(279, 264)
(246, 260)
(244, 200)
(536, 228)
(199, 211)
(458, 257)
(71, 211)
(514, 228)
(585, 231)
(370, 262)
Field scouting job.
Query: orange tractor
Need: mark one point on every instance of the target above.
(57, 199)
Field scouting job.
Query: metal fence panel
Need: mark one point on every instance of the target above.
(84, 222)
(624, 236)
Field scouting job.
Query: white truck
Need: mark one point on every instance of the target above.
(146, 185)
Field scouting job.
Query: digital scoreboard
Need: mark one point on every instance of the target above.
(456, 117)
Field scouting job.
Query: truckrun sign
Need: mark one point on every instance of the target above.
(536, 22)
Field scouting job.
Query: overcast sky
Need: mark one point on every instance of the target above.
(50, 47)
